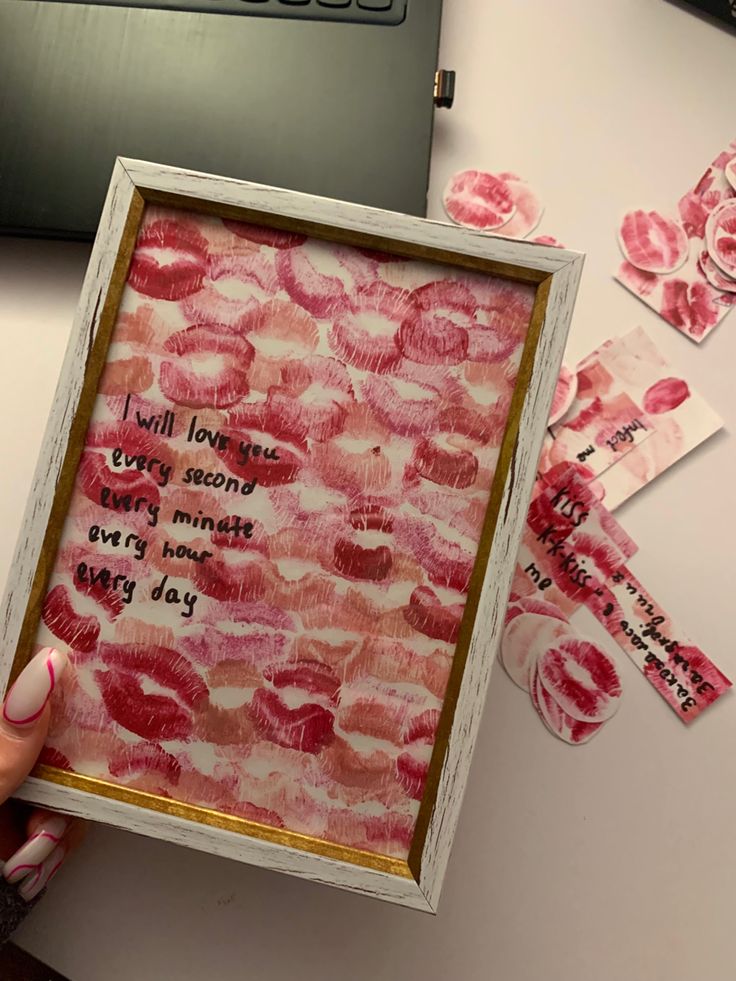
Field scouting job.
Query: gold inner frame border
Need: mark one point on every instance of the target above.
(411, 867)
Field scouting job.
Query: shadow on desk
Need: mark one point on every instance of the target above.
(17, 965)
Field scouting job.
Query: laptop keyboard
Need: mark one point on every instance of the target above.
(388, 12)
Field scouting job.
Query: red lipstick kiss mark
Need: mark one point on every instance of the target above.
(230, 582)
(52, 757)
(582, 679)
(427, 615)
(665, 395)
(451, 468)
(371, 517)
(307, 728)
(423, 728)
(373, 564)
(261, 235)
(437, 333)
(169, 262)
(412, 775)
(559, 723)
(79, 632)
(152, 716)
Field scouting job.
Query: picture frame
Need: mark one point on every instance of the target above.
(549, 275)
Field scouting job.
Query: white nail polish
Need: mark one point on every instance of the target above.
(39, 846)
(33, 885)
(32, 689)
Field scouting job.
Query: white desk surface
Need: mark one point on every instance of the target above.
(610, 862)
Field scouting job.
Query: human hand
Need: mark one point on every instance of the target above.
(24, 722)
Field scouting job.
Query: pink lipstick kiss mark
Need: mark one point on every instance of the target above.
(640, 282)
(308, 728)
(126, 375)
(690, 306)
(447, 563)
(478, 200)
(311, 403)
(309, 676)
(567, 386)
(581, 678)
(529, 208)
(145, 758)
(191, 380)
(367, 335)
(79, 632)
(665, 395)
(169, 262)
(720, 236)
(254, 269)
(407, 409)
(652, 242)
(468, 422)
(321, 294)
(525, 638)
(714, 275)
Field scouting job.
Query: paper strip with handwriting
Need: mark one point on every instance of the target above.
(601, 433)
(677, 417)
(571, 543)
(682, 674)
(274, 523)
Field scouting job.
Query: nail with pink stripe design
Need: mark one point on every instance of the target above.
(36, 850)
(33, 885)
(27, 698)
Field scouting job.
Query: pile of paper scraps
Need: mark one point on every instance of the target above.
(684, 267)
(620, 420)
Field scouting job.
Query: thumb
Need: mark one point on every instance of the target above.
(25, 715)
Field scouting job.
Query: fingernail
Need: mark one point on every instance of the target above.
(33, 885)
(32, 689)
(36, 850)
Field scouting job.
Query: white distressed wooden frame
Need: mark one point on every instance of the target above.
(557, 273)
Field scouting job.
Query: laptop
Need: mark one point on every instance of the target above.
(331, 97)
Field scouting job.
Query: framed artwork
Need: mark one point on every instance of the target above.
(275, 518)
